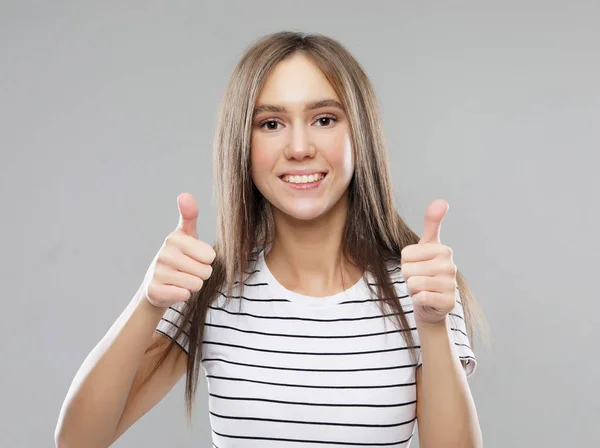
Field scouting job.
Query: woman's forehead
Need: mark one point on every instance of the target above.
(294, 82)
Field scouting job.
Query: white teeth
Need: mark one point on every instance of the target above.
(303, 179)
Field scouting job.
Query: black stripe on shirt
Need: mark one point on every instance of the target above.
(311, 353)
(171, 338)
(306, 403)
(384, 386)
(306, 319)
(369, 299)
(310, 336)
(174, 325)
(352, 425)
(259, 366)
(313, 441)
(252, 299)
(457, 315)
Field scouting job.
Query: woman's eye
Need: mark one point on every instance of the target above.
(271, 125)
(326, 120)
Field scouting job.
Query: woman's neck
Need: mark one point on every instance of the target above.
(306, 256)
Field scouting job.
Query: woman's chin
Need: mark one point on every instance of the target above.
(304, 213)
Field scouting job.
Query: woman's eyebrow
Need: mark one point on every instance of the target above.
(317, 104)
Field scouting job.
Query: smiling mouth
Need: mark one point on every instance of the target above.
(302, 179)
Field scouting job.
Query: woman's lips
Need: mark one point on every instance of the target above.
(305, 186)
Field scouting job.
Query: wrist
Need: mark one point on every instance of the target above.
(148, 306)
(433, 328)
(436, 341)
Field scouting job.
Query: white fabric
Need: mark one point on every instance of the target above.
(290, 370)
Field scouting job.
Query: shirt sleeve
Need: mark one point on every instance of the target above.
(460, 336)
(171, 321)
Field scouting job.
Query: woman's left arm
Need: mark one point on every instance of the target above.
(446, 413)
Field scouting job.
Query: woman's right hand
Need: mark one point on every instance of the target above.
(183, 262)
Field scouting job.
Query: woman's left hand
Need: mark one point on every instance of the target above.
(429, 271)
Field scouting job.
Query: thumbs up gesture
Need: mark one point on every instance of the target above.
(429, 271)
(183, 262)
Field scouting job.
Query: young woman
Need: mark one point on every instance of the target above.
(319, 317)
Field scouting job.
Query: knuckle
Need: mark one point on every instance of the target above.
(152, 290)
(451, 285)
(209, 252)
(171, 238)
(204, 250)
(159, 273)
(164, 258)
(405, 270)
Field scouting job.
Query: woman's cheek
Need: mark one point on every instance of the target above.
(342, 156)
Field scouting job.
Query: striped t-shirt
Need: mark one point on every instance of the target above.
(290, 370)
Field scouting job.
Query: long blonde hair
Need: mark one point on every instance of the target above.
(374, 233)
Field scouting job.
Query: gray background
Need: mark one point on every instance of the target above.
(107, 112)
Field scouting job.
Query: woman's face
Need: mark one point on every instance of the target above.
(288, 135)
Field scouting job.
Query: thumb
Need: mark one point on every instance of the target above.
(433, 221)
(188, 214)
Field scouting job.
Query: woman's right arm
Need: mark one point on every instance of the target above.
(104, 398)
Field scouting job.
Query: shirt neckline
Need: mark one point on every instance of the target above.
(356, 291)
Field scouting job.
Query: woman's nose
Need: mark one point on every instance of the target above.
(299, 145)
